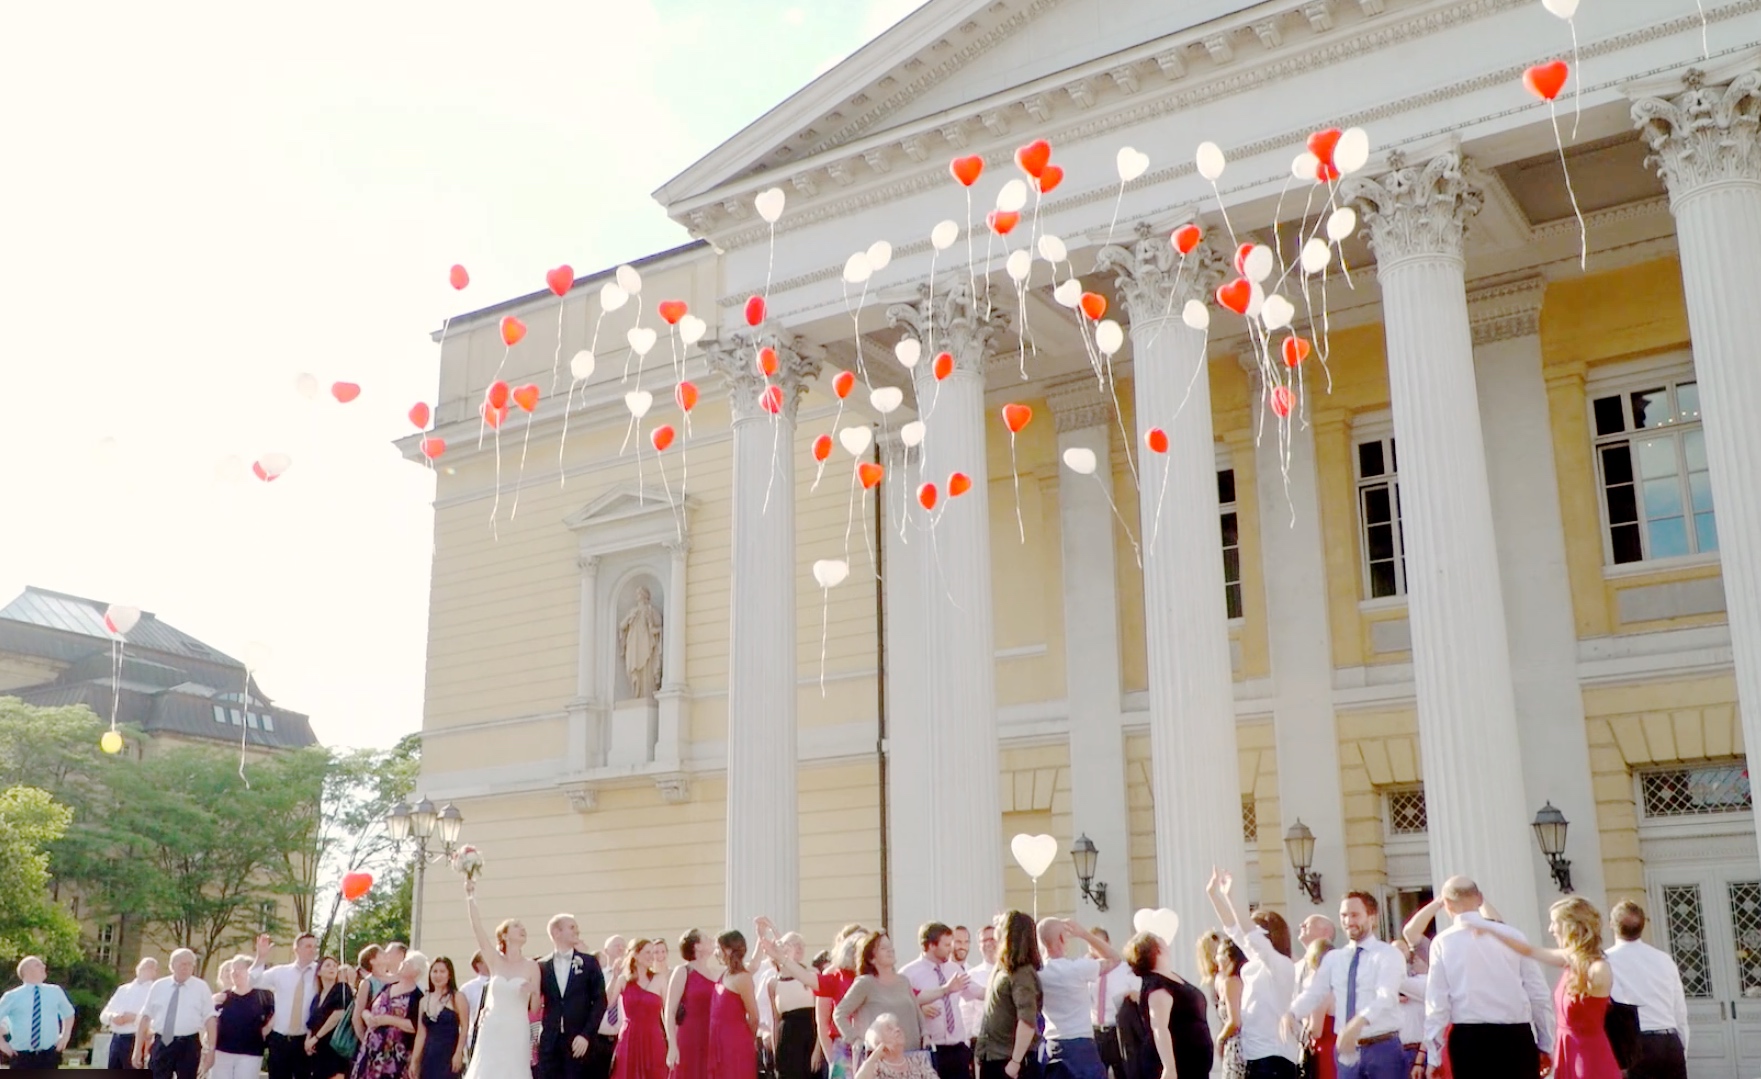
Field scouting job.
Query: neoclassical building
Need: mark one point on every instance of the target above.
(1502, 559)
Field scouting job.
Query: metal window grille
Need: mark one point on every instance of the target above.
(1406, 812)
(1745, 927)
(1250, 821)
(1687, 937)
(1697, 791)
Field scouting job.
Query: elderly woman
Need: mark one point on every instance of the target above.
(887, 1058)
(391, 1023)
(245, 1017)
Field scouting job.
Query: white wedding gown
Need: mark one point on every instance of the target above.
(504, 1035)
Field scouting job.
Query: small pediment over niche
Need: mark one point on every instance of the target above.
(630, 515)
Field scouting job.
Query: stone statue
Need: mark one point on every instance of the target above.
(639, 642)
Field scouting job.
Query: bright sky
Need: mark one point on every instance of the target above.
(204, 200)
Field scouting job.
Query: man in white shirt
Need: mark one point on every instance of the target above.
(1495, 1001)
(1268, 984)
(176, 1034)
(473, 991)
(1364, 980)
(604, 1042)
(294, 985)
(1064, 982)
(935, 976)
(1110, 992)
(1649, 980)
(1412, 1000)
(980, 973)
(123, 1013)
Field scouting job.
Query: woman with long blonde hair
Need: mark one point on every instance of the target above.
(1581, 1049)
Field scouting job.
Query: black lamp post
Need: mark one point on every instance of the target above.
(423, 821)
(1550, 826)
(1300, 843)
(1084, 853)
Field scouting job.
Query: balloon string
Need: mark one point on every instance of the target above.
(1565, 170)
(776, 437)
(520, 481)
(665, 485)
(1118, 200)
(1015, 472)
(1577, 86)
(936, 549)
(556, 361)
(1136, 550)
(1156, 525)
(495, 507)
(971, 265)
(569, 404)
(825, 610)
(850, 507)
(868, 540)
(116, 647)
(1705, 47)
(483, 414)
(244, 728)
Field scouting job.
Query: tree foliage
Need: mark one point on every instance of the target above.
(30, 921)
(360, 791)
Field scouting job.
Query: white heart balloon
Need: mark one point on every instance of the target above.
(1080, 459)
(1341, 223)
(274, 464)
(912, 433)
(1196, 315)
(880, 253)
(1210, 160)
(1256, 300)
(1069, 294)
(770, 204)
(638, 402)
(1034, 853)
(1019, 265)
(581, 367)
(121, 619)
(1052, 249)
(641, 339)
(1132, 163)
(629, 280)
(830, 572)
(1277, 312)
(1353, 151)
(856, 440)
(1315, 255)
(886, 399)
(1565, 9)
(857, 268)
(612, 296)
(1258, 264)
(306, 386)
(1161, 921)
(1109, 337)
(1013, 196)
(909, 350)
(692, 329)
(943, 235)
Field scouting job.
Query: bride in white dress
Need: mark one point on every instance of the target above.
(504, 1035)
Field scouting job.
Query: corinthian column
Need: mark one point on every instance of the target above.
(1705, 143)
(1186, 620)
(959, 763)
(1461, 657)
(762, 859)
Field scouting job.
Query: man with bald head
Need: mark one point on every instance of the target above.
(1494, 1000)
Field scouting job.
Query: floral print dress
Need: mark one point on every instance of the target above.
(385, 1051)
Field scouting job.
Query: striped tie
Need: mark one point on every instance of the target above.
(36, 1017)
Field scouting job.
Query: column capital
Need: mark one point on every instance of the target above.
(1154, 280)
(587, 563)
(952, 319)
(735, 359)
(678, 547)
(1705, 134)
(1417, 210)
(1500, 312)
(1078, 403)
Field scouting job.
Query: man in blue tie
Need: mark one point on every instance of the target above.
(38, 1019)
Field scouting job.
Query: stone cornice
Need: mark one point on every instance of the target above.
(1513, 309)
(1079, 403)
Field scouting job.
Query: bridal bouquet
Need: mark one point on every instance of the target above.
(469, 861)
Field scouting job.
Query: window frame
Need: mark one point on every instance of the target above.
(1224, 509)
(1377, 429)
(1622, 381)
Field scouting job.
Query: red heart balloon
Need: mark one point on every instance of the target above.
(966, 170)
(1186, 237)
(1326, 172)
(1236, 295)
(492, 416)
(926, 496)
(1094, 305)
(671, 311)
(767, 361)
(685, 393)
(662, 437)
(1323, 143)
(754, 310)
(433, 447)
(526, 397)
(1296, 350)
(1051, 176)
(1546, 80)
(944, 365)
(868, 472)
(344, 392)
(1015, 417)
(958, 484)
(1241, 254)
(1033, 158)
(1002, 222)
(772, 401)
(822, 448)
(560, 279)
(458, 277)
(356, 885)
(843, 384)
(419, 415)
(497, 395)
(261, 473)
(1156, 439)
(1283, 400)
(512, 330)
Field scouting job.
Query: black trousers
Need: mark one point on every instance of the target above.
(1661, 1056)
(36, 1060)
(600, 1049)
(1272, 1068)
(287, 1057)
(1107, 1043)
(1030, 1068)
(1493, 1051)
(122, 1052)
(176, 1059)
(952, 1061)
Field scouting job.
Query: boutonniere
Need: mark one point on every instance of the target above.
(576, 965)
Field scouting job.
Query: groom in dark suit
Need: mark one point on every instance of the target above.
(574, 1003)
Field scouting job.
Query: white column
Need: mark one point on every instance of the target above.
(959, 707)
(1513, 402)
(1461, 656)
(1706, 143)
(1298, 632)
(905, 557)
(583, 737)
(673, 691)
(1194, 779)
(762, 856)
(1084, 417)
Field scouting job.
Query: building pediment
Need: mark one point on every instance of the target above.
(628, 515)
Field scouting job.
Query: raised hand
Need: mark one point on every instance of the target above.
(1225, 881)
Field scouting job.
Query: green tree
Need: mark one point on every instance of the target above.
(360, 790)
(382, 916)
(31, 922)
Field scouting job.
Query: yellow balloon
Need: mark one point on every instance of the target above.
(111, 742)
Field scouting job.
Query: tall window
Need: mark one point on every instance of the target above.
(1656, 490)
(1231, 542)
(107, 943)
(1378, 508)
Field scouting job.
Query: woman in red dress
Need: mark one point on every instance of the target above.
(685, 1018)
(733, 1017)
(641, 1052)
(1581, 1049)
